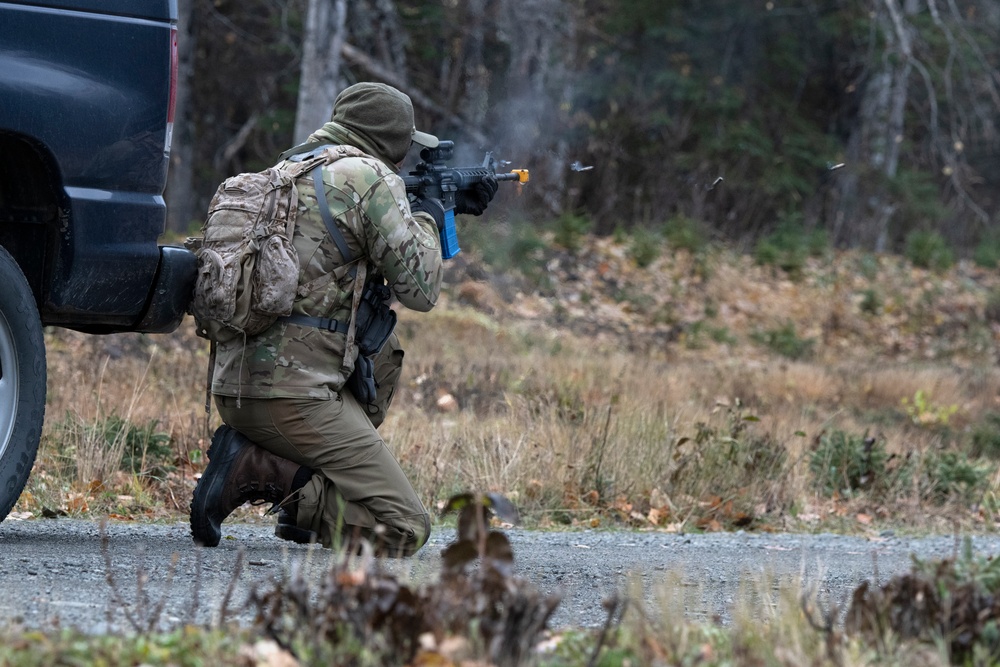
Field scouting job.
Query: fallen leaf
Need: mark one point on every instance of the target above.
(446, 403)
(659, 499)
(267, 653)
(77, 504)
(709, 524)
(657, 516)
(431, 659)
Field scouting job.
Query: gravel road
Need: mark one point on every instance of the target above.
(53, 570)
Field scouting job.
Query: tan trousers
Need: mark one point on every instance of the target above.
(357, 488)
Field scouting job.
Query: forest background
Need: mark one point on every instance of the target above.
(728, 297)
(732, 303)
(866, 120)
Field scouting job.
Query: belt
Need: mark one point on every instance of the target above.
(316, 322)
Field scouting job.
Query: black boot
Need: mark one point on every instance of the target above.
(287, 530)
(238, 472)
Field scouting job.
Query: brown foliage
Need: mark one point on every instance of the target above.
(928, 604)
(477, 606)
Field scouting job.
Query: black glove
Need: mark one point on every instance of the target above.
(430, 206)
(474, 200)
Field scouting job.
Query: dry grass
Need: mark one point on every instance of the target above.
(624, 423)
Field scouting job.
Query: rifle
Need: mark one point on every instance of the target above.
(433, 178)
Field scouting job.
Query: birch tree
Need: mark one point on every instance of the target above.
(930, 95)
(882, 112)
(322, 45)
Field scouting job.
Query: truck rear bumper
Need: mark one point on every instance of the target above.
(171, 293)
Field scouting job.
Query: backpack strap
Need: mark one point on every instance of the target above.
(359, 269)
(317, 322)
(304, 155)
(324, 212)
(338, 237)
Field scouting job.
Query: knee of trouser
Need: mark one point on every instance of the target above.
(424, 533)
(417, 533)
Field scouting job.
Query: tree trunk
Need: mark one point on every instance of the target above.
(321, 55)
(180, 193)
(875, 145)
(541, 35)
(475, 101)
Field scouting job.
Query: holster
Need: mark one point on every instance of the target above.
(375, 322)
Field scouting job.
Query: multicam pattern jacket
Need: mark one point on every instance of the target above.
(368, 202)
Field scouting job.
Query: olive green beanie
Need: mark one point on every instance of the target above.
(382, 116)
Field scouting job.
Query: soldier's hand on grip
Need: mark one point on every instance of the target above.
(474, 200)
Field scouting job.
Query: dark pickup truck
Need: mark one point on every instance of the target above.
(87, 93)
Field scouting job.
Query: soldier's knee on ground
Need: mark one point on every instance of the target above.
(404, 539)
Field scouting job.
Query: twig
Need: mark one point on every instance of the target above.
(827, 627)
(229, 150)
(154, 617)
(611, 604)
(116, 596)
(141, 596)
(173, 498)
(237, 571)
(196, 587)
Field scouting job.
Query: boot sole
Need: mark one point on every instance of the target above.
(295, 534)
(221, 454)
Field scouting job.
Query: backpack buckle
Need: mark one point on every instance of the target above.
(308, 155)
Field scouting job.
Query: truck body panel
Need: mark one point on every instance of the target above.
(85, 85)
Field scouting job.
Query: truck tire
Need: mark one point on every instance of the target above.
(22, 381)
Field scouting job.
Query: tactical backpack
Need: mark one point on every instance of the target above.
(248, 269)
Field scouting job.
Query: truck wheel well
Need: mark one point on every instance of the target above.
(29, 205)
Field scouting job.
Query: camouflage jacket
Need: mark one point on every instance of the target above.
(368, 202)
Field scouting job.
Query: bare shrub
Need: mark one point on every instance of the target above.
(361, 614)
(952, 601)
